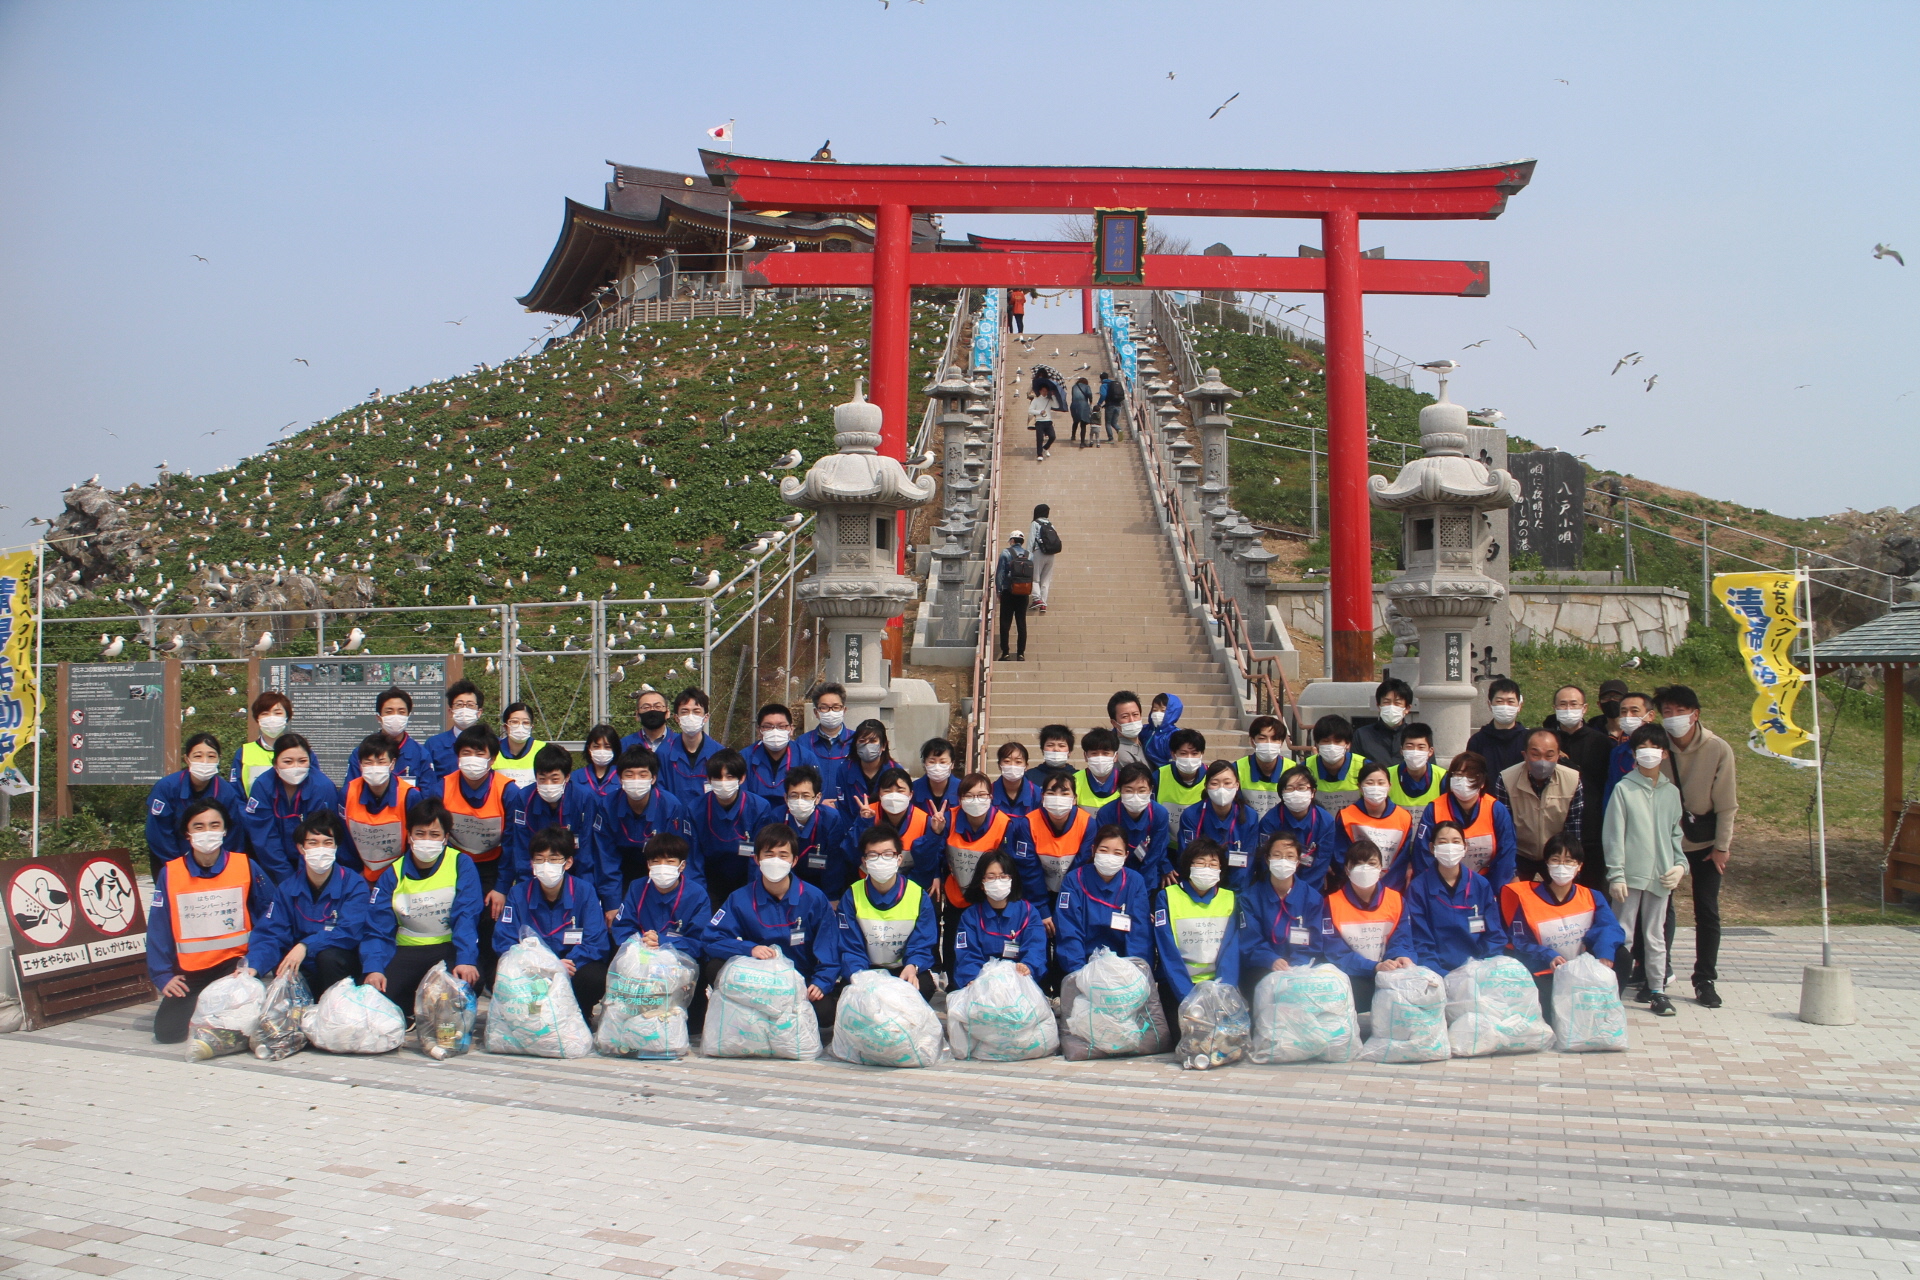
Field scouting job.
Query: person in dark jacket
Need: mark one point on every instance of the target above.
(1502, 741)
(1082, 411)
(1380, 738)
(1013, 601)
(1113, 402)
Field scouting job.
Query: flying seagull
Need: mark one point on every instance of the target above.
(1650, 381)
(198, 258)
(301, 360)
(937, 120)
(1888, 251)
(951, 160)
(1591, 430)
(1169, 75)
(1222, 107)
(1568, 83)
(1632, 357)
(204, 433)
(1471, 345)
(461, 320)
(1530, 341)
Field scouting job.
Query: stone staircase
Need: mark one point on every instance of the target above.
(1116, 616)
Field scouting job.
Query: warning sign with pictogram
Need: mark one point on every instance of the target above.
(79, 934)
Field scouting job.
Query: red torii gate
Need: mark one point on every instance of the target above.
(893, 193)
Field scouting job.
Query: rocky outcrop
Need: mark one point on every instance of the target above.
(1887, 540)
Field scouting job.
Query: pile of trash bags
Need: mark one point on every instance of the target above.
(279, 1035)
(533, 1011)
(443, 1009)
(225, 1017)
(1215, 1026)
(1110, 1008)
(1001, 1016)
(1493, 1007)
(759, 1009)
(351, 1018)
(1587, 1014)
(644, 1013)
(1304, 1015)
(1409, 1017)
(884, 1022)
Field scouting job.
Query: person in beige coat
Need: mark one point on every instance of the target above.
(1546, 799)
(1701, 764)
(1645, 861)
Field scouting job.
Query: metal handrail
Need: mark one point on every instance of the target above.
(978, 723)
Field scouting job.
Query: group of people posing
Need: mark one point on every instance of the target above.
(1357, 850)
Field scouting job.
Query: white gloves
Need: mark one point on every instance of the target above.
(1672, 879)
(1617, 891)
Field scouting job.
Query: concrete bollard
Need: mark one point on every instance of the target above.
(1826, 995)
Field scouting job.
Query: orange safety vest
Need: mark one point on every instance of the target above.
(211, 922)
(1560, 926)
(1057, 852)
(1365, 931)
(963, 854)
(1481, 840)
(477, 832)
(381, 838)
(1398, 822)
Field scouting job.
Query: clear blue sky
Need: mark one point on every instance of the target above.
(1712, 180)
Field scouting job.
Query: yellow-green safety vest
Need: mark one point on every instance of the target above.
(886, 929)
(1261, 795)
(518, 770)
(1412, 800)
(423, 909)
(254, 761)
(1199, 930)
(1083, 794)
(1177, 797)
(1331, 794)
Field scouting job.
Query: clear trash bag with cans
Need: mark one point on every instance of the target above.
(225, 1017)
(644, 1013)
(1110, 1008)
(279, 1035)
(533, 1011)
(1409, 1017)
(759, 1009)
(1304, 1014)
(1494, 1007)
(1587, 1014)
(1216, 1027)
(351, 1018)
(1001, 1016)
(443, 1013)
(884, 1022)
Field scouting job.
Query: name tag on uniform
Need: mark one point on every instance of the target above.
(1235, 858)
(1475, 924)
(744, 849)
(1011, 951)
(1121, 922)
(798, 938)
(1297, 936)
(816, 860)
(572, 937)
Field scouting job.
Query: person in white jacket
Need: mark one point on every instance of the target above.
(1645, 862)
(1042, 558)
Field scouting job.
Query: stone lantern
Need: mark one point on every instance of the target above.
(952, 391)
(854, 588)
(1444, 592)
(1210, 400)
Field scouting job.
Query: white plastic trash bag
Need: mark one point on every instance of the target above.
(351, 1018)
(1215, 1027)
(278, 1035)
(644, 1013)
(1494, 1007)
(533, 1011)
(1304, 1014)
(1001, 1016)
(443, 1012)
(225, 1017)
(759, 1009)
(1587, 1014)
(1409, 1017)
(884, 1022)
(1109, 1008)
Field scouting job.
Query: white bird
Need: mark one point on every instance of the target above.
(423, 628)
(1632, 357)
(711, 581)
(264, 643)
(1631, 664)
(619, 675)
(1488, 415)
(1593, 430)
(1650, 381)
(788, 460)
(355, 638)
(1888, 251)
(1441, 366)
(793, 521)
(115, 648)
(173, 645)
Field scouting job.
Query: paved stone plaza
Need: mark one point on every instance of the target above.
(1732, 1143)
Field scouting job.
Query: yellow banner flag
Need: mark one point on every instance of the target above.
(19, 695)
(1764, 606)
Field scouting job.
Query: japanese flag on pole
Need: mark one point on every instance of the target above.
(721, 132)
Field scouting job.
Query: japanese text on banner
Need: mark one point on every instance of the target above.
(19, 695)
(1763, 606)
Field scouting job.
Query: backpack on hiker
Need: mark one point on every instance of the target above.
(1048, 543)
(1020, 573)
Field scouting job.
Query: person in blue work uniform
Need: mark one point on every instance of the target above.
(514, 755)
(1096, 785)
(323, 905)
(198, 779)
(424, 910)
(997, 925)
(684, 754)
(1102, 905)
(1194, 933)
(1281, 915)
(827, 745)
(1260, 771)
(550, 801)
(886, 920)
(1181, 784)
(1226, 819)
(373, 810)
(650, 709)
(1465, 801)
(1145, 821)
(270, 713)
(666, 907)
(1376, 819)
(1552, 921)
(634, 815)
(858, 785)
(213, 912)
(563, 911)
(769, 759)
(597, 778)
(1366, 930)
(826, 862)
(1333, 763)
(411, 759)
(1453, 912)
(1412, 782)
(1163, 721)
(465, 706)
(723, 823)
(779, 914)
(936, 789)
(1056, 755)
(923, 853)
(1012, 793)
(280, 798)
(1310, 825)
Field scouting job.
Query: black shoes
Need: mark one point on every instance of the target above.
(1642, 994)
(1703, 992)
(1661, 1005)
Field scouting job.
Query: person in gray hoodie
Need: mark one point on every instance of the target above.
(1645, 861)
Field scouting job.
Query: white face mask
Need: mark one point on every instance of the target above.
(201, 770)
(1505, 713)
(377, 775)
(1282, 868)
(1648, 757)
(1392, 714)
(1055, 758)
(1450, 854)
(801, 809)
(466, 717)
(830, 720)
(1363, 877)
(1222, 796)
(1570, 718)
(207, 841)
(293, 774)
(693, 722)
(1267, 752)
(1465, 788)
(601, 757)
(1204, 878)
(320, 857)
(882, 868)
(775, 740)
(427, 852)
(551, 791)
(998, 889)
(518, 733)
(895, 802)
(1628, 724)
(1186, 766)
(1109, 864)
(1677, 726)
(1416, 760)
(638, 788)
(1135, 803)
(549, 874)
(775, 870)
(1100, 766)
(1333, 753)
(394, 726)
(1057, 806)
(725, 789)
(1131, 729)
(868, 751)
(1159, 718)
(1562, 872)
(664, 875)
(1297, 801)
(273, 726)
(1373, 792)
(976, 806)
(1013, 774)
(474, 768)
(939, 773)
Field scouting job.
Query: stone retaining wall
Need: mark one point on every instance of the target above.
(1643, 619)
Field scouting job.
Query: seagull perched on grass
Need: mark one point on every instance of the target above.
(709, 582)
(788, 460)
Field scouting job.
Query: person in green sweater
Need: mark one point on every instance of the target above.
(1645, 861)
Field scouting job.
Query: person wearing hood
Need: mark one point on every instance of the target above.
(1105, 904)
(1013, 580)
(280, 799)
(373, 809)
(886, 920)
(1310, 824)
(270, 712)
(411, 759)
(563, 911)
(1193, 927)
(425, 909)
(198, 779)
(1453, 910)
(769, 759)
(631, 818)
(780, 914)
(465, 706)
(1502, 740)
(1163, 721)
(1380, 738)
(1085, 433)
(323, 908)
(1043, 541)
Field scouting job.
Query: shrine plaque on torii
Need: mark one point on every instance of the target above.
(894, 193)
